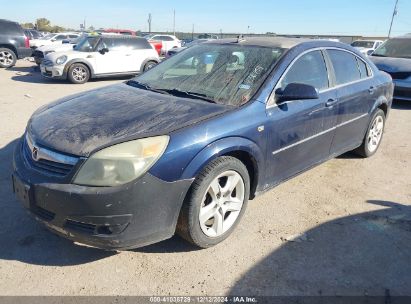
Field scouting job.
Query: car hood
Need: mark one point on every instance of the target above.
(89, 121)
(70, 53)
(56, 47)
(392, 65)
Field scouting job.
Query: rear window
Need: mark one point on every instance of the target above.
(364, 70)
(11, 28)
(345, 66)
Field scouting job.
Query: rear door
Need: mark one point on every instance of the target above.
(139, 50)
(300, 131)
(355, 94)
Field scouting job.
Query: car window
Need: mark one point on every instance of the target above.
(72, 36)
(60, 37)
(310, 69)
(345, 66)
(396, 47)
(164, 38)
(125, 33)
(364, 71)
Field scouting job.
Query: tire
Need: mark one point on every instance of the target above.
(373, 136)
(78, 73)
(149, 65)
(7, 58)
(218, 220)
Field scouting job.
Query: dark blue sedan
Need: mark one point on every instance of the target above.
(184, 146)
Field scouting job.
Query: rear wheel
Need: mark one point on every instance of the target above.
(216, 202)
(373, 137)
(149, 65)
(7, 58)
(78, 73)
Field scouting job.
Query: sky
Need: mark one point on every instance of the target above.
(322, 17)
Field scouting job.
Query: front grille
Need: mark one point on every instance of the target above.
(44, 165)
(400, 75)
(47, 62)
(38, 54)
(43, 213)
(79, 226)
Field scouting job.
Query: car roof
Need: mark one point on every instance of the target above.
(277, 42)
(108, 35)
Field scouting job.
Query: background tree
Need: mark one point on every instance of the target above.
(27, 25)
(43, 24)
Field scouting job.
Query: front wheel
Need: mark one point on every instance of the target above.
(78, 73)
(373, 137)
(216, 202)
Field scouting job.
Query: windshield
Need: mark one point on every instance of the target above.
(224, 74)
(364, 44)
(48, 36)
(397, 48)
(87, 44)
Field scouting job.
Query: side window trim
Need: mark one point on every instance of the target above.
(270, 102)
(352, 82)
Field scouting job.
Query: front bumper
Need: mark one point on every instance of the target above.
(53, 71)
(113, 218)
(402, 90)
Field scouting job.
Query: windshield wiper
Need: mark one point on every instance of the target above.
(195, 95)
(377, 55)
(144, 86)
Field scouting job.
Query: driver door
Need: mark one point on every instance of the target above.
(300, 131)
(112, 62)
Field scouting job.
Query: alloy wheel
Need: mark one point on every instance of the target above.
(375, 133)
(6, 58)
(79, 73)
(222, 203)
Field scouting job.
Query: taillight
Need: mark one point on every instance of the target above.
(26, 41)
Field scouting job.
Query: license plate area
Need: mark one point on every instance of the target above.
(22, 191)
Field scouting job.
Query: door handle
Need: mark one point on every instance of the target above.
(331, 102)
(371, 90)
(128, 54)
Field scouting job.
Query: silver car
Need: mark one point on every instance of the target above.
(394, 57)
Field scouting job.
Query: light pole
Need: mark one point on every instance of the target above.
(149, 23)
(174, 22)
(393, 16)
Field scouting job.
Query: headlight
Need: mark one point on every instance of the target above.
(61, 59)
(122, 163)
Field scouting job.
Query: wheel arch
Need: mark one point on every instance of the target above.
(241, 148)
(10, 47)
(82, 61)
(154, 59)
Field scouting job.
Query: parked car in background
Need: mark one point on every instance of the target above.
(366, 46)
(183, 147)
(100, 56)
(168, 41)
(394, 58)
(53, 38)
(120, 31)
(187, 45)
(207, 36)
(13, 43)
(66, 45)
(32, 34)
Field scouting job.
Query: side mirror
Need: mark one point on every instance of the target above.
(103, 51)
(296, 91)
(74, 46)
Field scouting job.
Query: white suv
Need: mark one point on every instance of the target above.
(53, 38)
(169, 41)
(100, 56)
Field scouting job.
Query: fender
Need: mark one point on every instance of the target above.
(78, 60)
(147, 60)
(379, 101)
(222, 147)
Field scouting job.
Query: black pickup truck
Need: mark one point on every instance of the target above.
(13, 43)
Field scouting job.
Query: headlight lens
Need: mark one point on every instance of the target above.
(61, 59)
(122, 163)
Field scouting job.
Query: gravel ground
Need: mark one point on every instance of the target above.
(349, 219)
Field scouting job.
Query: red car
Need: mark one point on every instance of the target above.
(158, 45)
